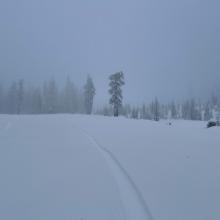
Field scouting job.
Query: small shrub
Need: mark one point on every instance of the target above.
(211, 124)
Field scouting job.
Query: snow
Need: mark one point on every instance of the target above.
(99, 168)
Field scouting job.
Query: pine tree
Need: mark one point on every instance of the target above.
(12, 99)
(70, 103)
(53, 96)
(207, 112)
(1, 99)
(156, 110)
(186, 110)
(134, 113)
(37, 105)
(20, 96)
(89, 93)
(116, 82)
(173, 110)
(194, 115)
(143, 112)
(50, 97)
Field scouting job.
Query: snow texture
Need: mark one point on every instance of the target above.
(93, 168)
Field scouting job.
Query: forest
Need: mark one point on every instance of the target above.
(49, 98)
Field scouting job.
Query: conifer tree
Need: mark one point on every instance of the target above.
(20, 96)
(89, 93)
(116, 82)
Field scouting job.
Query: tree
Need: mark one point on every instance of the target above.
(173, 110)
(20, 96)
(89, 93)
(53, 96)
(36, 101)
(12, 99)
(193, 112)
(134, 113)
(1, 99)
(70, 103)
(116, 82)
(156, 110)
(125, 110)
(50, 97)
(145, 112)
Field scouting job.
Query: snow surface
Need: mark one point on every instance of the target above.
(98, 168)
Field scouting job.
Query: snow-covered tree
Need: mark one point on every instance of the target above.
(143, 112)
(70, 102)
(37, 103)
(135, 113)
(1, 99)
(17, 99)
(173, 110)
(156, 110)
(89, 93)
(50, 97)
(193, 112)
(20, 96)
(53, 96)
(12, 100)
(125, 110)
(116, 82)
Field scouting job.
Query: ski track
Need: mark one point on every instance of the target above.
(133, 201)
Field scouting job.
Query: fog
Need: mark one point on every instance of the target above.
(168, 49)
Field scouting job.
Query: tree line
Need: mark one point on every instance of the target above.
(190, 109)
(49, 98)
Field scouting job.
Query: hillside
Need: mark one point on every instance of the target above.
(79, 167)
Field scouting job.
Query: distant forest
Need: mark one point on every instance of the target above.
(48, 98)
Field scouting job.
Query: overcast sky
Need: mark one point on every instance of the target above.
(166, 48)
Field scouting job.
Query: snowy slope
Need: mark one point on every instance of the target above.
(99, 168)
(49, 171)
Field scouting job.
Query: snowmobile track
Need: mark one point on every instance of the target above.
(133, 201)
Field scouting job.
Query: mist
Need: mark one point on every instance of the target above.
(169, 49)
(109, 109)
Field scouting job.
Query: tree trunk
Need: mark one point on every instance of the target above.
(115, 112)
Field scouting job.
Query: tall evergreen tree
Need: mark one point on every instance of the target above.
(207, 112)
(134, 113)
(20, 96)
(70, 102)
(89, 93)
(116, 82)
(173, 110)
(156, 110)
(37, 101)
(53, 96)
(1, 99)
(194, 115)
(50, 97)
(12, 99)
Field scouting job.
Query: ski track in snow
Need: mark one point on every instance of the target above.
(133, 201)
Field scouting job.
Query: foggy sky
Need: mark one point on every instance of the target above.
(169, 49)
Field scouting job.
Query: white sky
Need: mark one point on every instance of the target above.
(169, 49)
